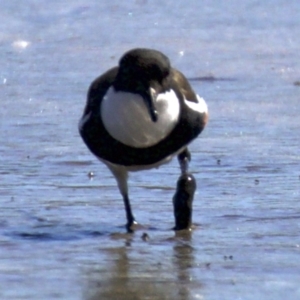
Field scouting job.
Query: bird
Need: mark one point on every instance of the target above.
(139, 115)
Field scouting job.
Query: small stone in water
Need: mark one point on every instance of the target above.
(145, 237)
(91, 175)
(230, 257)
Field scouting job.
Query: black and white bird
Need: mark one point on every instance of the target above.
(139, 115)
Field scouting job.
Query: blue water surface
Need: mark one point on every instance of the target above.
(62, 233)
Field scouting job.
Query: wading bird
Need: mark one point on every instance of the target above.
(139, 115)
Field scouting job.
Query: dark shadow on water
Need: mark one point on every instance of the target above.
(53, 236)
(138, 270)
(40, 229)
(211, 78)
(63, 232)
(39, 236)
(184, 261)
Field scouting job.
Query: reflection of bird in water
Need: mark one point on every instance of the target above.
(183, 201)
(140, 115)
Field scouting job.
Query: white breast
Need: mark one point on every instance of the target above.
(127, 119)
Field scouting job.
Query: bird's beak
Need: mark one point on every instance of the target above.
(150, 100)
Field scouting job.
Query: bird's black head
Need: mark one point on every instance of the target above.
(145, 72)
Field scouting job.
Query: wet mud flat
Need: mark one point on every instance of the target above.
(62, 233)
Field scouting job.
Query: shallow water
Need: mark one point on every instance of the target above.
(62, 234)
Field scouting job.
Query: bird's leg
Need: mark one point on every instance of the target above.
(184, 158)
(130, 218)
(121, 176)
(183, 201)
(183, 198)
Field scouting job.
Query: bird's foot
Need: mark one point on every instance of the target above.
(133, 226)
(189, 227)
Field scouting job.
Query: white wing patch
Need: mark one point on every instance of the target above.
(127, 119)
(200, 107)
